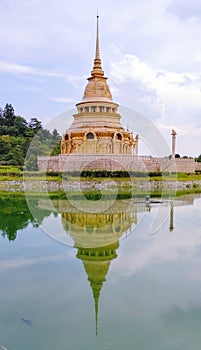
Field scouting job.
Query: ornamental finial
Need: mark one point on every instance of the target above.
(97, 69)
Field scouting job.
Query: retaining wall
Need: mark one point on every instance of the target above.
(77, 162)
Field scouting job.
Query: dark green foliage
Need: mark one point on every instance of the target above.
(107, 174)
(104, 173)
(198, 159)
(35, 125)
(55, 135)
(152, 173)
(55, 173)
(94, 195)
(15, 214)
(8, 115)
(112, 174)
(21, 142)
(31, 162)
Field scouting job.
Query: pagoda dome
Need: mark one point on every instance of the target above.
(97, 89)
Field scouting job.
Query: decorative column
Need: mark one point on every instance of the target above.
(171, 228)
(173, 142)
(136, 147)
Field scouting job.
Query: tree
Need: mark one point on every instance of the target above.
(20, 139)
(9, 115)
(31, 162)
(57, 148)
(21, 125)
(35, 125)
(3, 129)
(5, 145)
(1, 117)
(198, 159)
(55, 135)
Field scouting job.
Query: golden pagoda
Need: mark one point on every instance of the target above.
(96, 128)
(96, 140)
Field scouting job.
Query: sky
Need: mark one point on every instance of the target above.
(150, 51)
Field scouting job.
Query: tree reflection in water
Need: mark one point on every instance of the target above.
(15, 214)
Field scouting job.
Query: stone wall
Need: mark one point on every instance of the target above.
(49, 164)
(78, 162)
(185, 165)
(198, 166)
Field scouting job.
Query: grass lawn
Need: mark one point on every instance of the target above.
(16, 173)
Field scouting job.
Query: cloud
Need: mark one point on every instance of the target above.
(130, 66)
(174, 95)
(13, 68)
(22, 262)
(25, 70)
(180, 246)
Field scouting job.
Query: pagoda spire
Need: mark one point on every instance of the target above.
(97, 56)
(97, 69)
(96, 271)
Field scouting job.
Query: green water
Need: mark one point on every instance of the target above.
(122, 276)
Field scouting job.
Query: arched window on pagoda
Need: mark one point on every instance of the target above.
(118, 136)
(90, 136)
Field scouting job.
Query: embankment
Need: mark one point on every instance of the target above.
(43, 186)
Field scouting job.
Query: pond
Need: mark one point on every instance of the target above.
(122, 274)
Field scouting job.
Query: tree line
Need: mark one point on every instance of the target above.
(21, 142)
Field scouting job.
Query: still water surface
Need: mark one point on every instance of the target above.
(73, 279)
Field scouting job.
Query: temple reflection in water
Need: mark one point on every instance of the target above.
(96, 234)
